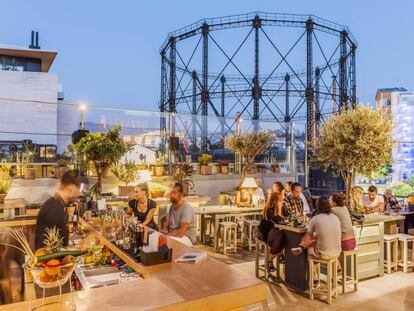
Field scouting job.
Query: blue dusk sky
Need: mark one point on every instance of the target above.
(109, 50)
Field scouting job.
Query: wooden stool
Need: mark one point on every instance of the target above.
(391, 247)
(331, 276)
(351, 278)
(227, 237)
(265, 267)
(250, 228)
(403, 241)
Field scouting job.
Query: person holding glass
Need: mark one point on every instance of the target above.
(143, 207)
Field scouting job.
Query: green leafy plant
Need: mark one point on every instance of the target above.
(402, 189)
(355, 141)
(5, 186)
(204, 159)
(103, 150)
(249, 145)
(125, 172)
(5, 170)
(28, 155)
(182, 173)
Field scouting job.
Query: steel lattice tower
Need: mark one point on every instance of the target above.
(195, 84)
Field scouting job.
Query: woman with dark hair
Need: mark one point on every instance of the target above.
(275, 238)
(276, 187)
(338, 208)
(143, 207)
(323, 238)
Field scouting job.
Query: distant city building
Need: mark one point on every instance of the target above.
(399, 103)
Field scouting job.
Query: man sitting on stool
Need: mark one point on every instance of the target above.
(180, 223)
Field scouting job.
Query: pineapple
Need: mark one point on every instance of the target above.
(53, 241)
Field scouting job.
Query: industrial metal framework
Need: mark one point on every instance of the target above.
(196, 85)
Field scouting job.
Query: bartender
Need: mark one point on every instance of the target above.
(53, 213)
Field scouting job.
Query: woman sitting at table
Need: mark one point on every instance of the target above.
(323, 238)
(276, 187)
(142, 207)
(339, 209)
(275, 238)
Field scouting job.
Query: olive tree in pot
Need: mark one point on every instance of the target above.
(204, 160)
(355, 141)
(182, 173)
(5, 186)
(103, 150)
(249, 145)
(127, 173)
(27, 158)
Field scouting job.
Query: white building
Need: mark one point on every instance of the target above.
(400, 104)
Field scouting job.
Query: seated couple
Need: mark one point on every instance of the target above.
(330, 231)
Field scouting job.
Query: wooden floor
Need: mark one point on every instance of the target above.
(394, 292)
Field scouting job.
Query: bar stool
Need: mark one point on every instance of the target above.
(331, 264)
(349, 279)
(403, 241)
(250, 227)
(208, 222)
(265, 267)
(391, 247)
(227, 237)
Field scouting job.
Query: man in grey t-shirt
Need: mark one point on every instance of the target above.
(180, 223)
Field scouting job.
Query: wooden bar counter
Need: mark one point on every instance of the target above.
(207, 285)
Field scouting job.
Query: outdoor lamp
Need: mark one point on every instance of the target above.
(248, 184)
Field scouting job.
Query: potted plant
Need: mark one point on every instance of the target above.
(224, 167)
(204, 160)
(5, 169)
(355, 141)
(157, 192)
(5, 186)
(182, 173)
(126, 173)
(261, 168)
(159, 168)
(27, 158)
(103, 150)
(275, 168)
(249, 145)
(62, 167)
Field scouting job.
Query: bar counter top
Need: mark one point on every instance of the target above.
(207, 285)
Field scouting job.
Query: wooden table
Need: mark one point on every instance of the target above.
(218, 212)
(18, 221)
(296, 267)
(208, 285)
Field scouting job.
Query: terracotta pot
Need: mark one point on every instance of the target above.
(261, 169)
(2, 197)
(106, 172)
(276, 169)
(206, 170)
(29, 173)
(215, 168)
(159, 170)
(156, 195)
(126, 191)
(224, 169)
(61, 170)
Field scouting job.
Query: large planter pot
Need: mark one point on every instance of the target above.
(29, 173)
(224, 169)
(106, 172)
(60, 171)
(206, 170)
(2, 197)
(261, 169)
(159, 170)
(215, 168)
(126, 191)
(156, 195)
(276, 169)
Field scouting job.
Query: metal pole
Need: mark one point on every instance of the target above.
(343, 81)
(353, 76)
(194, 109)
(222, 112)
(334, 95)
(172, 95)
(163, 122)
(287, 109)
(204, 93)
(256, 92)
(317, 106)
(310, 113)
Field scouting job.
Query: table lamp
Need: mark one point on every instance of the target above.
(249, 183)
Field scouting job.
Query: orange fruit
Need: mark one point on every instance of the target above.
(40, 252)
(44, 277)
(52, 267)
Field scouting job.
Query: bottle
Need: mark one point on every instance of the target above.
(75, 217)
